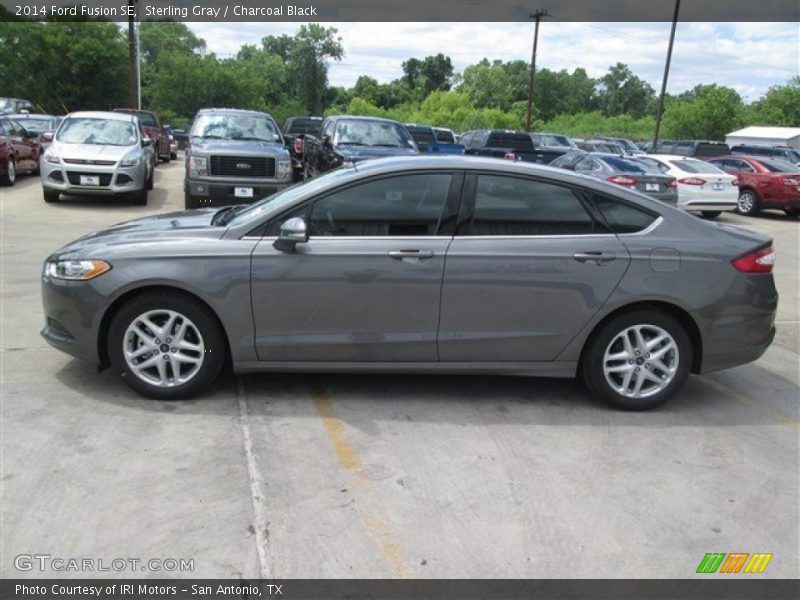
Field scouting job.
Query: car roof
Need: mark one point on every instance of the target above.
(672, 157)
(28, 115)
(101, 114)
(238, 111)
(362, 118)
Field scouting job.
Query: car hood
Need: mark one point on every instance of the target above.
(184, 225)
(90, 151)
(357, 153)
(233, 147)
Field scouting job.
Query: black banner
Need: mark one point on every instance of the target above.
(715, 587)
(400, 10)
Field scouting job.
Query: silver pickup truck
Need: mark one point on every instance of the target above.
(234, 156)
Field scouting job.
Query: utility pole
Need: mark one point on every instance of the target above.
(133, 57)
(660, 110)
(532, 75)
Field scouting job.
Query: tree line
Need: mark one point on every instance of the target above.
(65, 66)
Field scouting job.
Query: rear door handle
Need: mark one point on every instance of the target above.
(598, 258)
(411, 254)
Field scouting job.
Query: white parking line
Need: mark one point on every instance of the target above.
(259, 509)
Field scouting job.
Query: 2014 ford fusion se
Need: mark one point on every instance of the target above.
(449, 265)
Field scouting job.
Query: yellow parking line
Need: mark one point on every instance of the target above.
(754, 404)
(371, 508)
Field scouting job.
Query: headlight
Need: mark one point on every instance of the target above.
(198, 166)
(52, 159)
(78, 270)
(282, 169)
(130, 161)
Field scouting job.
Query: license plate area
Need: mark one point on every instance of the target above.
(90, 180)
(243, 192)
(651, 187)
(718, 187)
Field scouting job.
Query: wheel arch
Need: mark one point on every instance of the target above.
(118, 303)
(750, 188)
(680, 314)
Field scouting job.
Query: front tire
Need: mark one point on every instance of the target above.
(140, 198)
(748, 203)
(50, 197)
(711, 214)
(166, 346)
(638, 360)
(190, 202)
(10, 176)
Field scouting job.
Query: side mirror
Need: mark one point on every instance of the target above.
(47, 136)
(293, 232)
(326, 141)
(147, 141)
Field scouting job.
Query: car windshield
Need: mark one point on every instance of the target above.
(627, 144)
(289, 195)
(444, 136)
(547, 139)
(236, 127)
(628, 165)
(696, 166)
(779, 166)
(110, 132)
(372, 133)
(38, 124)
(793, 155)
(6, 105)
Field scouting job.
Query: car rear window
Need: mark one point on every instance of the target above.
(709, 149)
(303, 126)
(779, 166)
(510, 139)
(695, 166)
(422, 135)
(628, 165)
(444, 136)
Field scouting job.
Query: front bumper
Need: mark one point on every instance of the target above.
(72, 311)
(223, 190)
(113, 179)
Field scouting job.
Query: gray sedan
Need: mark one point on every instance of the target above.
(437, 265)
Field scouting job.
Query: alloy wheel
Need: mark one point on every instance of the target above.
(746, 202)
(11, 171)
(641, 361)
(163, 348)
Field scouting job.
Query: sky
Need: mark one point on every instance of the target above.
(749, 57)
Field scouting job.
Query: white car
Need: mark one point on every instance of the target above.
(98, 153)
(702, 187)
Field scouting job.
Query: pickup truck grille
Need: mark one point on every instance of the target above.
(242, 166)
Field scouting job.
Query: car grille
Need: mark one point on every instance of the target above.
(75, 178)
(99, 163)
(243, 166)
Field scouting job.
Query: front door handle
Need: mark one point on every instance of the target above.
(598, 258)
(410, 255)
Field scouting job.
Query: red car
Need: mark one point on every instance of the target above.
(19, 151)
(763, 183)
(153, 128)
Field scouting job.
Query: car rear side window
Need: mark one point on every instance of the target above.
(406, 205)
(507, 206)
(622, 217)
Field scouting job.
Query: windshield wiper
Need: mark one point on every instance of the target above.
(388, 145)
(251, 139)
(209, 137)
(351, 144)
(224, 215)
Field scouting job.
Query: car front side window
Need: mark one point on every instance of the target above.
(406, 205)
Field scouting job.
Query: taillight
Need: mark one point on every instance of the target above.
(790, 180)
(735, 182)
(510, 156)
(673, 183)
(758, 261)
(623, 180)
(298, 145)
(692, 181)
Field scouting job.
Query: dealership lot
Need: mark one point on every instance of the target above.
(383, 476)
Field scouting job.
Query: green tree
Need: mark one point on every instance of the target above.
(705, 112)
(156, 37)
(621, 92)
(780, 106)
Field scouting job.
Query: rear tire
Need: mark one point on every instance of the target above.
(711, 214)
(748, 203)
(195, 352)
(792, 213)
(50, 197)
(643, 372)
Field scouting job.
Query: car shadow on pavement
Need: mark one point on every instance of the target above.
(364, 399)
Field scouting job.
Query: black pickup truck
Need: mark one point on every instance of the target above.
(346, 139)
(508, 144)
(294, 131)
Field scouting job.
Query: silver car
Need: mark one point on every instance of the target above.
(98, 153)
(438, 265)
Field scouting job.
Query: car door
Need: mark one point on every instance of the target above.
(528, 268)
(23, 146)
(366, 286)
